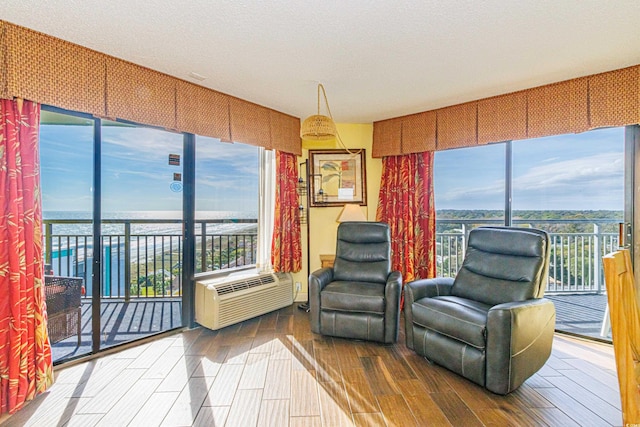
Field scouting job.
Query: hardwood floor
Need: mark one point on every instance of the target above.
(273, 371)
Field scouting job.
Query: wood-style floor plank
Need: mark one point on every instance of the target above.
(455, 409)
(211, 416)
(334, 405)
(277, 383)
(272, 370)
(422, 406)
(573, 408)
(107, 397)
(379, 377)
(554, 417)
(245, 408)
(130, 404)
(304, 394)
(155, 409)
(274, 413)
(305, 421)
(361, 397)
(188, 403)
(255, 371)
(396, 411)
(225, 385)
(585, 396)
(369, 420)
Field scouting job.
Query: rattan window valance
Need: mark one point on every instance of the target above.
(572, 106)
(47, 70)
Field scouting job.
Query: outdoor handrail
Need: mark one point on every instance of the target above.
(575, 265)
(127, 250)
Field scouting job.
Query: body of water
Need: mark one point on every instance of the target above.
(150, 229)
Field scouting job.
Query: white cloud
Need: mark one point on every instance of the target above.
(590, 182)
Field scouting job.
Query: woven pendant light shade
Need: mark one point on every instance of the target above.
(318, 128)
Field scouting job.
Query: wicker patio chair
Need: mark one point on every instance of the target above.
(63, 298)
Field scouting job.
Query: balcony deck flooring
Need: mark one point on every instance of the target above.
(272, 371)
(121, 322)
(580, 314)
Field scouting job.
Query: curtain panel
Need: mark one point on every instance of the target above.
(25, 354)
(406, 203)
(286, 250)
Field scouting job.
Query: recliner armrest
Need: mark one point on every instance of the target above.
(395, 278)
(519, 336)
(392, 294)
(317, 281)
(429, 288)
(418, 289)
(324, 276)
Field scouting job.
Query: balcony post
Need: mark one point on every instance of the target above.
(203, 246)
(48, 232)
(127, 261)
(465, 239)
(597, 257)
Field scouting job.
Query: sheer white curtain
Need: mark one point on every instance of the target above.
(266, 208)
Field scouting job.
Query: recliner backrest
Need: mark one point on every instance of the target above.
(504, 264)
(363, 252)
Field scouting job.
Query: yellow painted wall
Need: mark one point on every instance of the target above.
(322, 221)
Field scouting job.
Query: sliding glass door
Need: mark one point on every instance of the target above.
(141, 216)
(577, 187)
(113, 231)
(572, 186)
(66, 175)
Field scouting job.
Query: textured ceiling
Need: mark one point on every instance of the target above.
(376, 59)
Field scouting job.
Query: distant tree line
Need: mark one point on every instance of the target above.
(537, 219)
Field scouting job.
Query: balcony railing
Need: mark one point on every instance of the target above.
(140, 262)
(143, 258)
(576, 257)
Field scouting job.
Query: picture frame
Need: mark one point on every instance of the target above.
(337, 177)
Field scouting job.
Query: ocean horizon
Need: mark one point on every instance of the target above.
(172, 228)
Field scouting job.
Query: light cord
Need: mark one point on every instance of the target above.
(326, 102)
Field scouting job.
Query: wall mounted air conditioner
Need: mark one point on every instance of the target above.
(223, 301)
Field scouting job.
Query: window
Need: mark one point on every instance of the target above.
(226, 204)
(469, 191)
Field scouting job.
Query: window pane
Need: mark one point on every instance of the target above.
(469, 191)
(572, 186)
(226, 204)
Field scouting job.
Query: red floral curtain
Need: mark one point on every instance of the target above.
(286, 252)
(25, 354)
(406, 204)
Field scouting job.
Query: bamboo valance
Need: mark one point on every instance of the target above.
(50, 71)
(577, 105)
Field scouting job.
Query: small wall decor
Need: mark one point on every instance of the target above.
(337, 177)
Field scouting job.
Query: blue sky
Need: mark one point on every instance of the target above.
(577, 171)
(136, 173)
(583, 171)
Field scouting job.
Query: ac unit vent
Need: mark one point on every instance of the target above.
(227, 288)
(223, 302)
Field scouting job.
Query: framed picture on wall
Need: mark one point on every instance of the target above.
(337, 177)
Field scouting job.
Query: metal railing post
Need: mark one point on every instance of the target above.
(465, 239)
(127, 261)
(597, 257)
(203, 247)
(48, 232)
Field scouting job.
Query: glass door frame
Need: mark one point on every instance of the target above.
(188, 221)
(632, 194)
